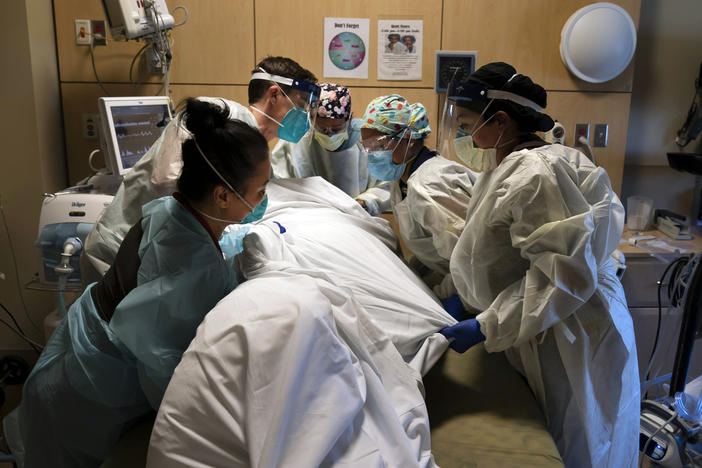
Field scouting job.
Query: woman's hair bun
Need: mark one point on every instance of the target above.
(203, 117)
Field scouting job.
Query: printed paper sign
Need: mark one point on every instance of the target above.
(400, 49)
(346, 47)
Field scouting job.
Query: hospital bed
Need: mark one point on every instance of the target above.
(318, 265)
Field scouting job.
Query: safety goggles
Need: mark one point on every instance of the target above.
(384, 142)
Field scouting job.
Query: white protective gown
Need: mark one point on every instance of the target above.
(433, 213)
(345, 168)
(316, 359)
(154, 176)
(535, 258)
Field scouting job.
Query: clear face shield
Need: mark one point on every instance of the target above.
(454, 126)
(463, 115)
(304, 98)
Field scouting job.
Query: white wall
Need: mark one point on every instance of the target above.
(32, 158)
(668, 57)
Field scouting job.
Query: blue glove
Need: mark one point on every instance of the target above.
(454, 307)
(465, 334)
(232, 241)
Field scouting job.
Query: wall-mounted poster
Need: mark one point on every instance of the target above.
(346, 47)
(400, 49)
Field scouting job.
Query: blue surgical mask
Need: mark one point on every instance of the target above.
(294, 125)
(257, 212)
(381, 166)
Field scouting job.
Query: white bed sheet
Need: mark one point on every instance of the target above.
(316, 359)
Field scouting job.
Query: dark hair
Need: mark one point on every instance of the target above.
(233, 147)
(500, 75)
(280, 66)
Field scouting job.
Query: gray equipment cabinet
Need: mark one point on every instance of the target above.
(640, 282)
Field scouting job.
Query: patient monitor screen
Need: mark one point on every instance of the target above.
(136, 129)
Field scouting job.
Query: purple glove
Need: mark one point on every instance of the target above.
(465, 334)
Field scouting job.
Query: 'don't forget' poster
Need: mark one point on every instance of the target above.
(400, 49)
(346, 47)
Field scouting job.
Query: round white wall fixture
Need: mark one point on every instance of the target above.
(598, 42)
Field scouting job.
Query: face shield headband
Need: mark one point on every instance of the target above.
(464, 92)
(299, 118)
(311, 90)
(461, 94)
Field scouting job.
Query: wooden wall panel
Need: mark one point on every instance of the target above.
(238, 93)
(296, 29)
(570, 108)
(81, 98)
(525, 34)
(214, 46)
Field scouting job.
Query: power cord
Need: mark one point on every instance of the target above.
(12, 317)
(675, 294)
(35, 346)
(131, 66)
(161, 45)
(90, 159)
(187, 15)
(588, 149)
(92, 61)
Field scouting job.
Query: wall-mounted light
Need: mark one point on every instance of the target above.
(598, 42)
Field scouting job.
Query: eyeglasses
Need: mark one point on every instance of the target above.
(377, 143)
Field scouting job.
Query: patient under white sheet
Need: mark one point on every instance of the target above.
(316, 359)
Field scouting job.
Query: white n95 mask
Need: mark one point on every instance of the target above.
(331, 142)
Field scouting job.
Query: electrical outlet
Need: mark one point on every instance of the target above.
(89, 125)
(581, 130)
(83, 32)
(99, 35)
(600, 137)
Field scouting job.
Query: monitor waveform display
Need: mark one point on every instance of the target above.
(136, 129)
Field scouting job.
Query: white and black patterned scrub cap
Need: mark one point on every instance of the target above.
(335, 102)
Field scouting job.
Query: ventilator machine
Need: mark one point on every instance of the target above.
(128, 128)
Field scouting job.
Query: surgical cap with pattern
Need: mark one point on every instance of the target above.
(334, 102)
(387, 114)
(419, 121)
